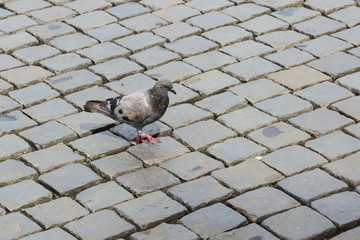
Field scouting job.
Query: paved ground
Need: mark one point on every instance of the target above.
(261, 142)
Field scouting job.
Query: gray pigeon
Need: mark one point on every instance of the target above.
(138, 109)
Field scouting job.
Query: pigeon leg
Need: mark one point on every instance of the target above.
(150, 138)
(140, 139)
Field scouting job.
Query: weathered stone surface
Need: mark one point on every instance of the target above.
(247, 49)
(349, 16)
(12, 145)
(350, 82)
(164, 230)
(154, 57)
(348, 107)
(91, 20)
(104, 51)
(211, 20)
(51, 30)
(145, 22)
(209, 5)
(151, 209)
(350, 35)
(246, 11)
(290, 57)
(56, 212)
(12, 171)
(190, 46)
(310, 224)
(72, 42)
(25, 76)
(11, 42)
(176, 13)
(350, 234)
(227, 35)
(140, 41)
(131, 84)
(318, 26)
(263, 203)
(8, 62)
(178, 30)
(247, 175)
(127, 10)
(15, 225)
(15, 23)
(278, 4)
(109, 32)
(83, 6)
(327, 7)
(65, 62)
(55, 233)
(55, 13)
(213, 220)
(210, 60)
(256, 25)
(281, 40)
(15, 121)
(293, 159)
(251, 231)
(294, 15)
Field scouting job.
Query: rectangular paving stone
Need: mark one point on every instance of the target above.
(209, 5)
(8, 104)
(35, 54)
(115, 165)
(103, 196)
(258, 90)
(130, 84)
(281, 40)
(51, 30)
(327, 7)
(246, 49)
(198, 136)
(191, 46)
(25, 6)
(279, 135)
(258, 28)
(15, 23)
(65, 62)
(23, 194)
(249, 231)
(12, 145)
(108, 32)
(176, 13)
(103, 52)
(227, 35)
(191, 165)
(48, 134)
(348, 107)
(211, 20)
(15, 121)
(208, 83)
(140, 41)
(55, 13)
(8, 62)
(105, 142)
(84, 6)
(154, 57)
(294, 15)
(116, 68)
(50, 110)
(353, 130)
(246, 119)
(298, 77)
(15, 225)
(72, 42)
(151, 209)
(293, 159)
(183, 95)
(341, 208)
(278, 4)
(246, 11)
(5, 86)
(156, 4)
(145, 22)
(12, 171)
(199, 192)
(248, 69)
(350, 35)
(127, 10)
(56, 212)
(247, 175)
(177, 30)
(235, 150)
(70, 178)
(334, 145)
(104, 224)
(169, 231)
(353, 233)
(210, 60)
(346, 169)
(50, 158)
(318, 26)
(290, 57)
(284, 106)
(24, 76)
(349, 16)
(147, 180)
(310, 224)
(311, 185)
(55, 233)
(91, 20)
(167, 149)
(215, 219)
(262, 203)
(350, 82)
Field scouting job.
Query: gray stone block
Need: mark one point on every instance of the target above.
(153, 154)
(298, 77)
(55, 233)
(48, 134)
(211, 20)
(56, 212)
(51, 30)
(246, 119)
(262, 203)
(5, 86)
(109, 32)
(140, 41)
(350, 35)
(103, 52)
(247, 175)
(113, 166)
(353, 130)
(50, 158)
(235, 150)
(177, 30)
(8, 104)
(11, 42)
(24, 76)
(91, 20)
(309, 224)
(84, 6)
(15, 121)
(15, 225)
(284, 106)
(145, 22)
(151, 209)
(35, 54)
(156, 4)
(208, 83)
(15, 23)
(191, 46)
(191, 165)
(65, 62)
(50, 110)
(350, 82)
(210, 60)
(350, 234)
(183, 95)
(246, 11)
(12, 171)
(72, 42)
(7, 62)
(318, 26)
(294, 15)
(23, 194)
(99, 144)
(279, 135)
(154, 57)
(209, 5)
(349, 16)
(251, 231)
(70, 178)
(258, 28)
(131, 84)
(103, 196)
(127, 10)
(55, 13)
(213, 220)
(12, 145)
(290, 57)
(341, 208)
(278, 4)
(176, 13)
(168, 231)
(227, 35)
(349, 107)
(293, 159)
(334, 145)
(248, 69)
(199, 192)
(246, 49)
(327, 7)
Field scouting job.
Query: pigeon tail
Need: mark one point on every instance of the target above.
(98, 106)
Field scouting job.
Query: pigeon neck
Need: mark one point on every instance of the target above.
(159, 100)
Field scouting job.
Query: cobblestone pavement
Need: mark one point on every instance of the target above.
(261, 142)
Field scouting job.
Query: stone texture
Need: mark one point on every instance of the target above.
(348, 107)
(51, 30)
(150, 209)
(293, 159)
(56, 212)
(350, 35)
(154, 57)
(12, 145)
(12, 171)
(127, 10)
(247, 175)
(318, 26)
(131, 84)
(349, 16)
(290, 57)
(164, 230)
(191, 165)
(104, 51)
(91, 20)
(11, 42)
(310, 224)
(278, 4)
(55, 13)
(140, 41)
(55, 233)
(191, 45)
(210, 60)
(258, 28)
(327, 6)
(8, 62)
(176, 13)
(246, 11)
(353, 233)
(281, 40)
(143, 22)
(24, 76)
(83, 6)
(227, 35)
(350, 82)
(177, 30)
(246, 49)
(15, 225)
(15, 121)
(65, 62)
(262, 203)
(72, 42)
(209, 5)
(294, 15)
(108, 32)
(15, 23)
(213, 220)
(211, 20)
(248, 232)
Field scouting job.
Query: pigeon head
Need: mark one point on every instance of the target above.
(165, 85)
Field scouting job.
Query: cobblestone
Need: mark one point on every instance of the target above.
(16, 225)
(246, 49)
(15, 171)
(249, 231)
(227, 35)
(164, 230)
(281, 40)
(24, 76)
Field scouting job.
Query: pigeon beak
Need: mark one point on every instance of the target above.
(173, 91)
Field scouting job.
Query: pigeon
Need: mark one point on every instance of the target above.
(137, 109)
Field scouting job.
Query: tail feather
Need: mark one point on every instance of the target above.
(99, 107)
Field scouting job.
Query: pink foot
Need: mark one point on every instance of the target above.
(147, 138)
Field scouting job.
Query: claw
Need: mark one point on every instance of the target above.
(145, 138)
